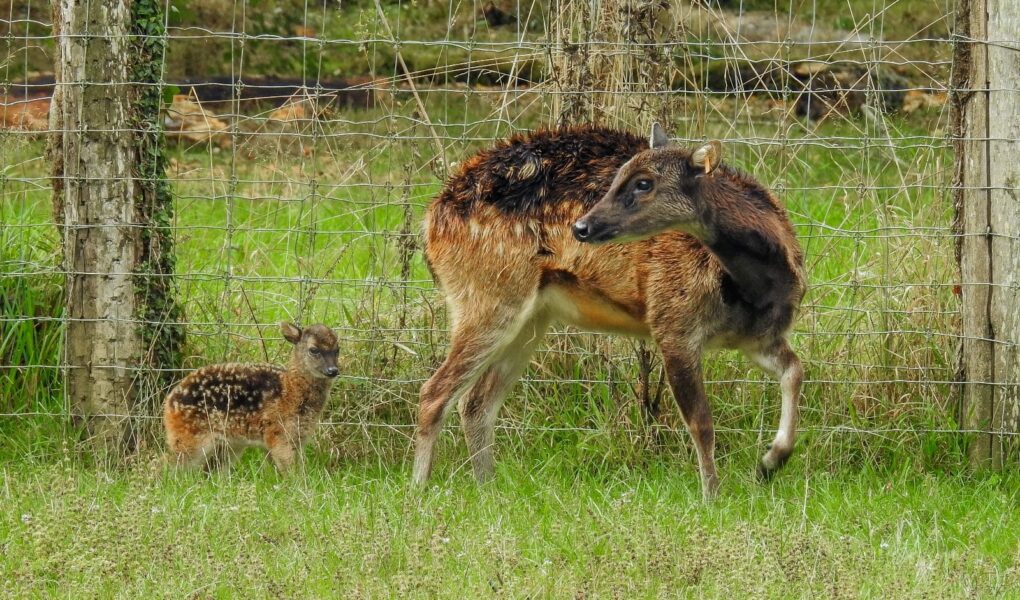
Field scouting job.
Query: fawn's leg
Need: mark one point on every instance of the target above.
(224, 454)
(480, 406)
(217, 457)
(282, 447)
(194, 452)
(781, 362)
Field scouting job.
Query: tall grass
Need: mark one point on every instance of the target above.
(324, 237)
(31, 305)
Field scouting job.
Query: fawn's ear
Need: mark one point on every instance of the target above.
(658, 139)
(707, 157)
(291, 332)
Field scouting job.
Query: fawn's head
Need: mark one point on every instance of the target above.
(315, 349)
(653, 192)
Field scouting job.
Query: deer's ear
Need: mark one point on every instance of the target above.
(658, 139)
(707, 157)
(291, 332)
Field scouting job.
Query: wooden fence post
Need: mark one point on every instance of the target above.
(986, 89)
(113, 205)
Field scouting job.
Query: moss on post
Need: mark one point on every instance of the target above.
(155, 284)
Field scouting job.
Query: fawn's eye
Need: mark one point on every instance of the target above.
(643, 185)
(313, 351)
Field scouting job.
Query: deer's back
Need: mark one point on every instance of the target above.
(228, 387)
(512, 205)
(538, 175)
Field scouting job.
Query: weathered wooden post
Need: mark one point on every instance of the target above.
(113, 206)
(986, 88)
(595, 83)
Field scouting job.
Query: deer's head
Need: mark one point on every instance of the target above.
(656, 191)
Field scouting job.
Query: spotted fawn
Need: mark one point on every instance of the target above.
(218, 410)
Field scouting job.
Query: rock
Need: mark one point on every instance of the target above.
(496, 16)
(921, 100)
(28, 114)
(845, 89)
(186, 120)
(294, 109)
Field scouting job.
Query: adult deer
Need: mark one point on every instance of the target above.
(518, 239)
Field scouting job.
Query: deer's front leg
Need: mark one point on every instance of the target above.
(684, 372)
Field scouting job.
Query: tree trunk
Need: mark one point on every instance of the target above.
(987, 123)
(597, 82)
(109, 192)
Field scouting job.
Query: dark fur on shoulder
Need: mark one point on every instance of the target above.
(528, 172)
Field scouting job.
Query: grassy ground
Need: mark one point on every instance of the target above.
(542, 528)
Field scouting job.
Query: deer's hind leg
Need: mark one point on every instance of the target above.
(780, 361)
(191, 449)
(480, 406)
(223, 455)
(481, 334)
(190, 443)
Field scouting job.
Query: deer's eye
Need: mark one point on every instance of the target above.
(643, 185)
(313, 351)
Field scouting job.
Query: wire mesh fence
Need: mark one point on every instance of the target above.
(304, 140)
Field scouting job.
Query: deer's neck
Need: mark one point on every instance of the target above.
(312, 391)
(756, 261)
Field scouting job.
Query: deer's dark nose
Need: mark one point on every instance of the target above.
(332, 371)
(581, 231)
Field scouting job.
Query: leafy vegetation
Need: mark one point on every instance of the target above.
(31, 304)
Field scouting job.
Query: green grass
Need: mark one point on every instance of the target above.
(31, 304)
(545, 527)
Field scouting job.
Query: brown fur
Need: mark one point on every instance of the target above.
(231, 406)
(715, 264)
